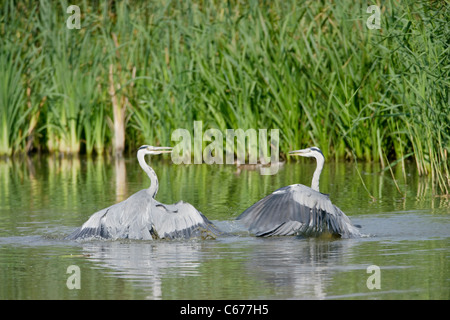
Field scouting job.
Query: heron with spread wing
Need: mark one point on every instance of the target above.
(141, 217)
(299, 210)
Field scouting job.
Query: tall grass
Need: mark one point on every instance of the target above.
(312, 69)
(421, 65)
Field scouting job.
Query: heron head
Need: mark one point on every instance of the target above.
(154, 150)
(308, 152)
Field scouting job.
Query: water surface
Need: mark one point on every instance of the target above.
(44, 199)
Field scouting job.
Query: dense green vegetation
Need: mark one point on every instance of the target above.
(311, 69)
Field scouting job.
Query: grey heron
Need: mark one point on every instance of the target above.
(142, 217)
(299, 210)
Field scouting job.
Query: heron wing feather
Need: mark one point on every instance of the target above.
(296, 209)
(181, 220)
(144, 218)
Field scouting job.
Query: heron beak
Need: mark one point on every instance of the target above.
(301, 152)
(162, 149)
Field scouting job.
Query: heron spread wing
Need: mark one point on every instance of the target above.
(93, 228)
(141, 217)
(296, 209)
(181, 220)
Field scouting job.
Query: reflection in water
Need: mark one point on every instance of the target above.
(44, 199)
(295, 267)
(121, 179)
(304, 267)
(148, 262)
(81, 185)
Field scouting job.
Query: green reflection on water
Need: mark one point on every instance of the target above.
(43, 199)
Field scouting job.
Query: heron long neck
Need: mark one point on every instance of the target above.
(316, 176)
(153, 189)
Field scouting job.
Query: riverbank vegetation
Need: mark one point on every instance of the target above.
(137, 70)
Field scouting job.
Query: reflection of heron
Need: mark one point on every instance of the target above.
(298, 210)
(142, 217)
(299, 269)
(149, 265)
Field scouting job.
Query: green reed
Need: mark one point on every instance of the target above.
(421, 82)
(309, 68)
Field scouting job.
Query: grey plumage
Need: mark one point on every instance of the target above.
(298, 210)
(142, 217)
